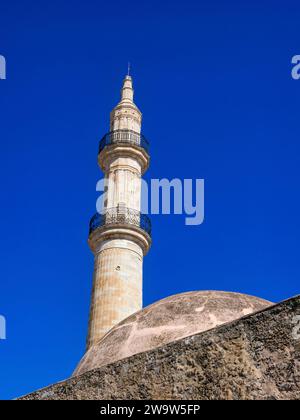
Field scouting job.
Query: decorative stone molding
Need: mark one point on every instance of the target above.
(127, 232)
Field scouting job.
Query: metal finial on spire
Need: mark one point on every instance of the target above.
(128, 71)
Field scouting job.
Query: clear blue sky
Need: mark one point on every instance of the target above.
(213, 81)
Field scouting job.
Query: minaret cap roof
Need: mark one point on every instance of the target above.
(127, 90)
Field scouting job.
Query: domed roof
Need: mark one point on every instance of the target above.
(167, 320)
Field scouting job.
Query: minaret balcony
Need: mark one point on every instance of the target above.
(121, 216)
(124, 137)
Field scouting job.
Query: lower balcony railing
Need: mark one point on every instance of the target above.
(121, 216)
(128, 137)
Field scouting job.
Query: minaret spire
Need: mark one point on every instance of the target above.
(126, 114)
(127, 90)
(120, 236)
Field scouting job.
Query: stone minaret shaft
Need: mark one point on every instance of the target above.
(119, 236)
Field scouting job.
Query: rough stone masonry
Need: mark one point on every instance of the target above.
(254, 357)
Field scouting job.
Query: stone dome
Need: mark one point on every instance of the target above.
(167, 320)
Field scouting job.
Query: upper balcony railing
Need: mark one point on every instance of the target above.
(121, 216)
(127, 137)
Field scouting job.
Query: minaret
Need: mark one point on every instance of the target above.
(120, 236)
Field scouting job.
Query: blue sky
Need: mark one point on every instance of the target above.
(213, 80)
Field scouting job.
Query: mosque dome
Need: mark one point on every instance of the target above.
(167, 320)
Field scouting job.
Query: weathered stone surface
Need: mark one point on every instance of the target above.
(167, 320)
(255, 357)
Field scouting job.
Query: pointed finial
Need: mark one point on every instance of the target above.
(128, 71)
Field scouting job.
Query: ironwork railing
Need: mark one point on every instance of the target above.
(121, 216)
(128, 137)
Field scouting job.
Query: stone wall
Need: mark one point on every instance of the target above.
(255, 357)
